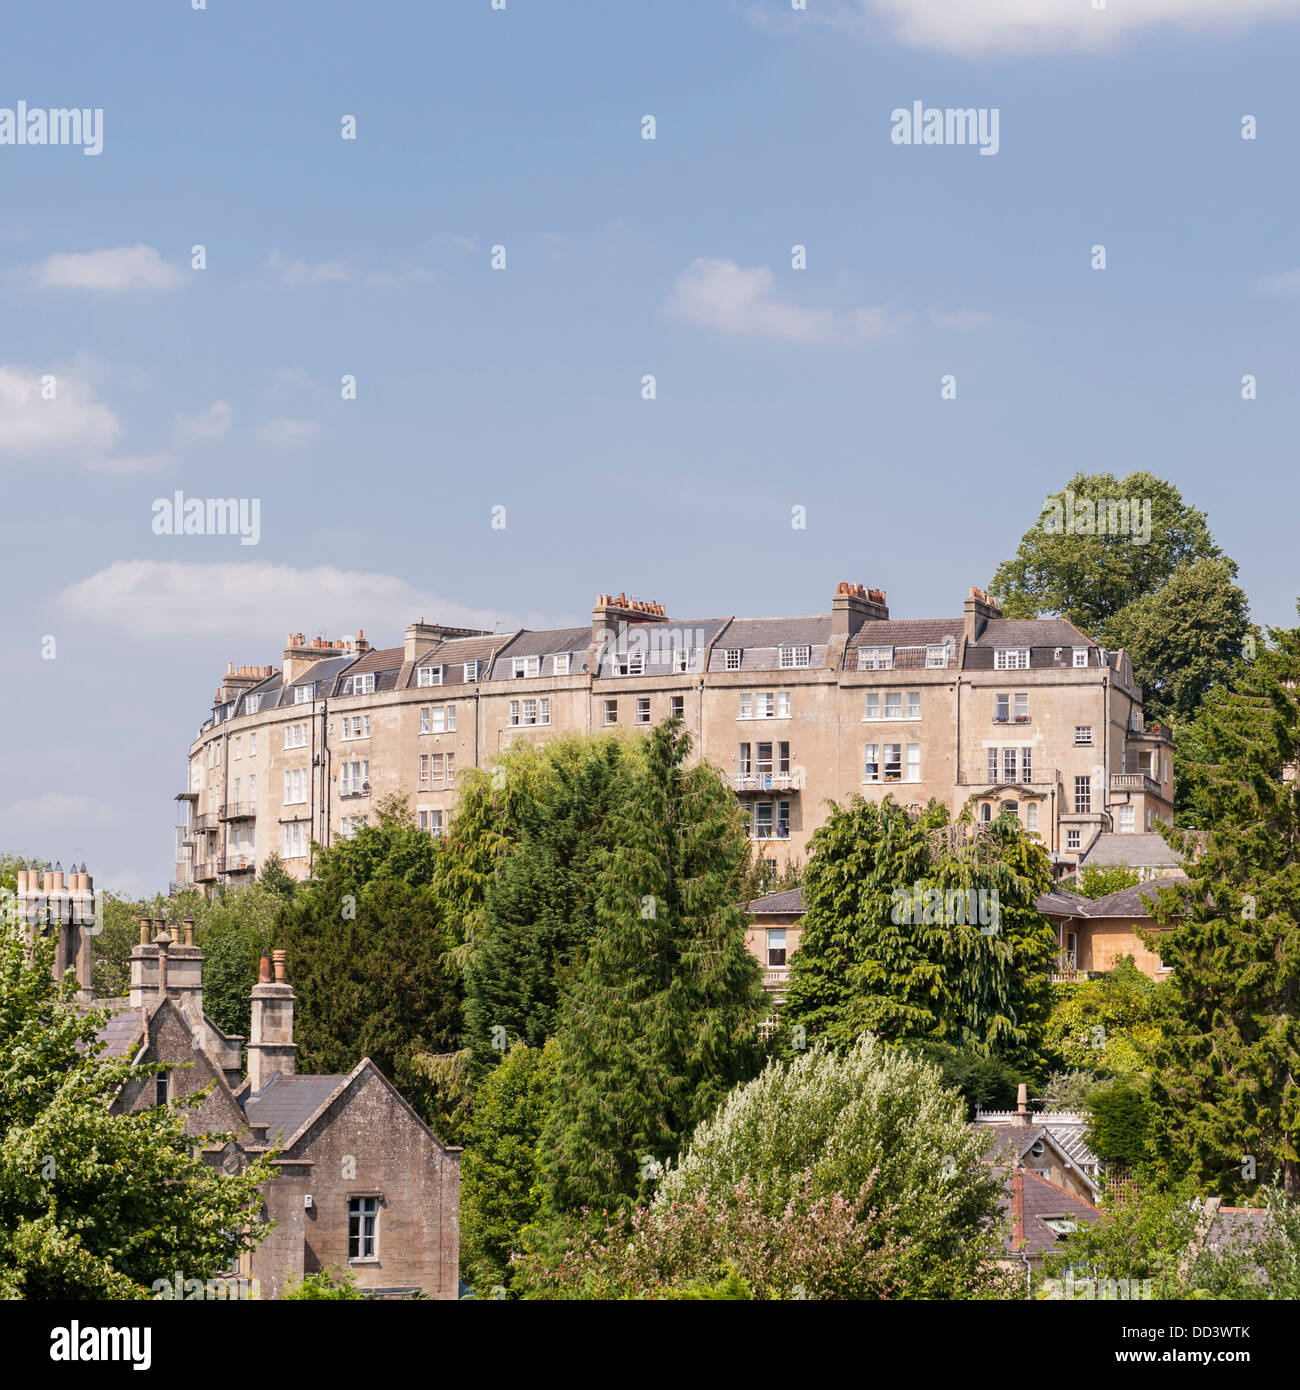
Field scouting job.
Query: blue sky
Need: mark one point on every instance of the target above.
(521, 387)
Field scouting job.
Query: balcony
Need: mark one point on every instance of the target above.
(206, 871)
(780, 831)
(1160, 733)
(776, 976)
(765, 780)
(238, 810)
(1067, 969)
(1135, 782)
(238, 863)
(209, 820)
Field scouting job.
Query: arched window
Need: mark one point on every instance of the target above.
(986, 812)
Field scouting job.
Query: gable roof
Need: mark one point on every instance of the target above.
(1031, 1201)
(1141, 851)
(783, 903)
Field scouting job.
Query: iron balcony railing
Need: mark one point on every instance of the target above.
(764, 780)
(238, 810)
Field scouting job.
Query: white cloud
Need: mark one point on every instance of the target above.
(743, 302)
(982, 27)
(288, 378)
(75, 422)
(123, 465)
(51, 807)
(115, 269)
(1284, 285)
(262, 601)
(206, 427)
(287, 434)
(300, 272)
(960, 319)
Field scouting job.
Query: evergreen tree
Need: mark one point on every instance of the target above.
(539, 907)
(662, 1017)
(1226, 1088)
(501, 1189)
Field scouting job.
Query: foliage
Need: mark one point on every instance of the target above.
(1108, 1025)
(868, 963)
(1227, 1077)
(1100, 880)
(829, 1247)
(276, 878)
(829, 1124)
(1120, 1123)
(501, 1191)
(97, 1205)
(662, 1016)
(1090, 579)
(539, 907)
(983, 1082)
(324, 1284)
(1069, 1090)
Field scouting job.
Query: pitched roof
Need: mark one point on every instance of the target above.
(1031, 632)
(1136, 901)
(1142, 851)
(906, 632)
(123, 1032)
(1032, 1201)
(788, 901)
(287, 1102)
(1061, 902)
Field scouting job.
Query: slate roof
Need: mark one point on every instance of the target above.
(1235, 1227)
(1066, 1130)
(454, 652)
(1040, 1201)
(662, 642)
(123, 1032)
(1132, 902)
(286, 1103)
(791, 900)
(1142, 851)
(1031, 632)
(759, 638)
(552, 642)
(1060, 902)
(322, 674)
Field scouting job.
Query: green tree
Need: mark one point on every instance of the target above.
(1226, 1082)
(276, 878)
(1110, 1025)
(1100, 880)
(1185, 638)
(1088, 578)
(501, 1172)
(539, 907)
(96, 1205)
(1120, 1123)
(875, 1115)
(662, 1017)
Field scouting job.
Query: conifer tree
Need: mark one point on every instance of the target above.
(662, 1018)
(1226, 1091)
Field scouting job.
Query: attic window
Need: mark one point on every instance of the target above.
(792, 657)
(1038, 1149)
(428, 675)
(1061, 1225)
(1011, 659)
(363, 684)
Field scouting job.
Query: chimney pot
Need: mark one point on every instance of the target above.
(144, 931)
(278, 959)
(264, 971)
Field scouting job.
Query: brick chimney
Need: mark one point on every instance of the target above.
(979, 609)
(854, 605)
(240, 678)
(271, 1047)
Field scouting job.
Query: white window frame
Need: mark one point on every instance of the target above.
(794, 657)
(875, 658)
(304, 694)
(295, 839)
(367, 1211)
(1083, 735)
(470, 671)
(560, 663)
(295, 735)
(643, 709)
(936, 657)
(1073, 841)
(362, 684)
(732, 658)
(1031, 815)
(912, 763)
(525, 667)
(611, 712)
(354, 777)
(1126, 819)
(295, 786)
(1080, 656)
(1011, 658)
(428, 675)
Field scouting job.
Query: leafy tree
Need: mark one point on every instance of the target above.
(276, 878)
(501, 1190)
(1226, 1084)
(1184, 638)
(1090, 579)
(1069, 1090)
(983, 1082)
(1100, 880)
(662, 1017)
(236, 931)
(1120, 1123)
(828, 1124)
(324, 1284)
(1109, 1025)
(96, 1205)
(539, 907)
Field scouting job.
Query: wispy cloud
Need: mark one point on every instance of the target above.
(979, 28)
(60, 808)
(165, 599)
(207, 427)
(959, 320)
(1284, 285)
(287, 434)
(298, 273)
(743, 302)
(115, 270)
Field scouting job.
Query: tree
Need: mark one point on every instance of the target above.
(915, 930)
(368, 941)
(1107, 1026)
(1120, 1123)
(1185, 638)
(1101, 880)
(875, 1115)
(1089, 578)
(96, 1205)
(539, 907)
(276, 878)
(501, 1189)
(662, 1017)
(1226, 1083)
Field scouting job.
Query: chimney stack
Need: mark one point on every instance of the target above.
(854, 605)
(64, 903)
(979, 609)
(271, 1047)
(1023, 1116)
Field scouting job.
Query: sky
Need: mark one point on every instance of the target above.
(181, 309)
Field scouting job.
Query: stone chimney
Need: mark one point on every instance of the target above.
(979, 609)
(167, 963)
(611, 610)
(1023, 1115)
(854, 605)
(63, 902)
(240, 678)
(271, 1047)
(421, 636)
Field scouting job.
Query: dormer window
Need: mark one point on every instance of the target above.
(732, 656)
(471, 670)
(561, 663)
(360, 685)
(428, 675)
(792, 658)
(630, 663)
(252, 704)
(936, 658)
(525, 666)
(304, 694)
(875, 658)
(1011, 659)
(1080, 656)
